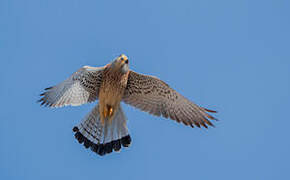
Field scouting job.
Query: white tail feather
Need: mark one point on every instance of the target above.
(103, 138)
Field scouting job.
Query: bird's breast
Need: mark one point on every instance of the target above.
(110, 95)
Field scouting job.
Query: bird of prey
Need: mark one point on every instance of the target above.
(104, 129)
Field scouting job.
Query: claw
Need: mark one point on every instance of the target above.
(110, 111)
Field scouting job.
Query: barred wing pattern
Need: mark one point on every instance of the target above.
(81, 87)
(154, 96)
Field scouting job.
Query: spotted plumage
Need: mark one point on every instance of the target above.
(104, 129)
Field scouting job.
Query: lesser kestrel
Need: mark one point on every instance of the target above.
(104, 129)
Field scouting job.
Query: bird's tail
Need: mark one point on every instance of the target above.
(103, 138)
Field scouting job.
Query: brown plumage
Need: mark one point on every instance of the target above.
(111, 91)
(104, 129)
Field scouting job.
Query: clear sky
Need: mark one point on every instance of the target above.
(230, 56)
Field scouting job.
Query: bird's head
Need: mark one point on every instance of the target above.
(121, 63)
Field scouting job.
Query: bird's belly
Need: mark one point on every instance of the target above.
(110, 97)
(109, 101)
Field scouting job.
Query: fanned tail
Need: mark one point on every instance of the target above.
(103, 138)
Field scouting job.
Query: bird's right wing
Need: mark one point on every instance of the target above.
(81, 87)
(154, 96)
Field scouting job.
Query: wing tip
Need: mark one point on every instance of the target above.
(42, 100)
(209, 110)
(48, 88)
(44, 103)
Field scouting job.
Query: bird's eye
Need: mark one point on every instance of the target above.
(122, 59)
(127, 61)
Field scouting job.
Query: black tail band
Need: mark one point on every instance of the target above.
(102, 149)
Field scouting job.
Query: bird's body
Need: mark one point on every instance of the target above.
(111, 92)
(104, 129)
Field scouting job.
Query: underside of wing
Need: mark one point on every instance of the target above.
(81, 87)
(154, 96)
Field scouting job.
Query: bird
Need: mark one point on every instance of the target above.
(104, 129)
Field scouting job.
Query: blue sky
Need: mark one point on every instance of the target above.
(230, 56)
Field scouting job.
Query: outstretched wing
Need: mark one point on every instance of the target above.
(81, 87)
(154, 96)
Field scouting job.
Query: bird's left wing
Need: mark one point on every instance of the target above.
(81, 87)
(154, 96)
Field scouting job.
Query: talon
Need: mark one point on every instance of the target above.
(110, 111)
(105, 113)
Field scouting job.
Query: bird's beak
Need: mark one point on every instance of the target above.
(125, 61)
